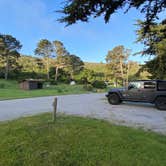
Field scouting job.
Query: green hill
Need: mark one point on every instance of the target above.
(97, 67)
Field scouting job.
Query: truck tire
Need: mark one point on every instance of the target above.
(160, 103)
(114, 99)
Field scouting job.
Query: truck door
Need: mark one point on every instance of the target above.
(134, 91)
(149, 90)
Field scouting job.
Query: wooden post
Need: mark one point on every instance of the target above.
(55, 108)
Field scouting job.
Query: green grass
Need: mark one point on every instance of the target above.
(73, 141)
(11, 90)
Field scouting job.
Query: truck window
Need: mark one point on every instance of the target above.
(162, 85)
(135, 85)
(149, 85)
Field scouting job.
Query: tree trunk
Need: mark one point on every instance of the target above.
(127, 77)
(72, 75)
(116, 82)
(48, 75)
(121, 69)
(7, 67)
(56, 73)
(48, 69)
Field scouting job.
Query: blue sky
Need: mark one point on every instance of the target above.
(32, 20)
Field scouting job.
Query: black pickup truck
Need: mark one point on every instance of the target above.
(151, 91)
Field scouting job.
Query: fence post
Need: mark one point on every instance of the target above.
(55, 108)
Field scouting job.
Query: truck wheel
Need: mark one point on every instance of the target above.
(160, 103)
(114, 99)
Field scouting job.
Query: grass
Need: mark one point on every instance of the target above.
(11, 90)
(74, 141)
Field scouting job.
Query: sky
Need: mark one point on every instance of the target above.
(32, 20)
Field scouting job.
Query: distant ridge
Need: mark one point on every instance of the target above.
(97, 67)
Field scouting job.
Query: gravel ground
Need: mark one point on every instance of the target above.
(139, 115)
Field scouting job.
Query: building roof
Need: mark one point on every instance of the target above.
(32, 80)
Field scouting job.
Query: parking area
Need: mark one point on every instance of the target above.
(93, 105)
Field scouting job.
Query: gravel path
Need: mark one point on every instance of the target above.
(91, 105)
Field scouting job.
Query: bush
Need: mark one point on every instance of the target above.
(53, 82)
(88, 87)
(59, 90)
(99, 84)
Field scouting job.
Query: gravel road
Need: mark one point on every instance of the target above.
(92, 105)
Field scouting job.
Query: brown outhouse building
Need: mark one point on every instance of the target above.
(31, 84)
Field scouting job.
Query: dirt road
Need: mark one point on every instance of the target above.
(91, 105)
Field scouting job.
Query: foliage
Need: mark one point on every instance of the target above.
(12, 90)
(74, 65)
(45, 49)
(63, 76)
(85, 76)
(155, 67)
(96, 67)
(99, 84)
(31, 64)
(154, 42)
(77, 141)
(60, 50)
(136, 72)
(88, 87)
(61, 53)
(117, 64)
(155, 38)
(9, 47)
(75, 10)
(8, 84)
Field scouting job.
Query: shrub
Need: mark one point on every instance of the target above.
(59, 90)
(88, 87)
(99, 84)
(53, 82)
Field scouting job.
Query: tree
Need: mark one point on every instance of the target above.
(117, 63)
(61, 54)
(9, 47)
(155, 38)
(76, 10)
(85, 76)
(45, 49)
(31, 64)
(155, 68)
(154, 42)
(133, 68)
(73, 65)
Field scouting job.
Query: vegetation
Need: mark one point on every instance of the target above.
(117, 64)
(45, 49)
(10, 90)
(151, 33)
(61, 54)
(77, 141)
(75, 10)
(154, 42)
(9, 47)
(96, 67)
(59, 66)
(74, 65)
(157, 67)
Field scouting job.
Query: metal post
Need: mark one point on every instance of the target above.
(55, 108)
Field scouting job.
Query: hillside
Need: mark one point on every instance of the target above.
(97, 67)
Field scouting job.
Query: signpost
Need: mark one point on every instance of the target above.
(55, 108)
